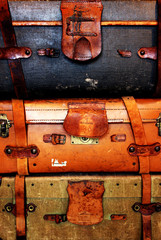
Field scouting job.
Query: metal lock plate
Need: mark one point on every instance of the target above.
(84, 140)
(158, 124)
(4, 126)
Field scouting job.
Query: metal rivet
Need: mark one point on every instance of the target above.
(31, 208)
(8, 151)
(9, 208)
(33, 150)
(158, 208)
(27, 52)
(136, 208)
(142, 52)
(131, 149)
(157, 148)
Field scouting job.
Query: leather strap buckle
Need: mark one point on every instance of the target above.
(54, 139)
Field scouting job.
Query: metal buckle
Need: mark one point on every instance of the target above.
(4, 126)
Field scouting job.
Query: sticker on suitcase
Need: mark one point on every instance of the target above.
(55, 163)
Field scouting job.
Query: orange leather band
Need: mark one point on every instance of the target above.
(9, 38)
(20, 133)
(138, 130)
(140, 139)
(20, 205)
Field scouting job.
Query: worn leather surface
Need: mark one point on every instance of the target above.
(138, 130)
(20, 205)
(20, 134)
(140, 138)
(85, 202)
(86, 120)
(47, 117)
(81, 28)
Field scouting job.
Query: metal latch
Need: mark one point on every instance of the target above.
(4, 126)
(84, 140)
(158, 124)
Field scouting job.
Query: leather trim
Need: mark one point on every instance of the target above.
(85, 202)
(86, 120)
(20, 205)
(20, 134)
(140, 139)
(138, 130)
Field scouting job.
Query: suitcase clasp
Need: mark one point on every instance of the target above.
(158, 124)
(4, 126)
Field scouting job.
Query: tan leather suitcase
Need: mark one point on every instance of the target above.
(80, 135)
(48, 210)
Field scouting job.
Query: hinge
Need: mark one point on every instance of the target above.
(54, 139)
(158, 124)
(49, 52)
(57, 218)
(4, 126)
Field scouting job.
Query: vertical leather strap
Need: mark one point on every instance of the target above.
(138, 130)
(20, 134)
(140, 139)
(20, 205)
(158, 88)
(10, 41)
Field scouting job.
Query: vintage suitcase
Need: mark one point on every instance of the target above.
(49, 206)
(80, 135)
(122, 53)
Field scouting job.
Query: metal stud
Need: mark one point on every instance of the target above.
(131, 149)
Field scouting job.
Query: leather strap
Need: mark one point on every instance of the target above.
(158, 88)
(20, 134)
(10, 41)
(138, 130)
(20, 205)
(140, 139)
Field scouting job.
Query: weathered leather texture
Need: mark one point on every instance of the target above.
(85, 202)
(86, 120)
(81, 28)
(47, 118)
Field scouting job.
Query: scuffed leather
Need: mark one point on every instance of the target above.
(81, 28)
(85, 202)
(86, 120)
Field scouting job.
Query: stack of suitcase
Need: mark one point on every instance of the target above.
(83, 161)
